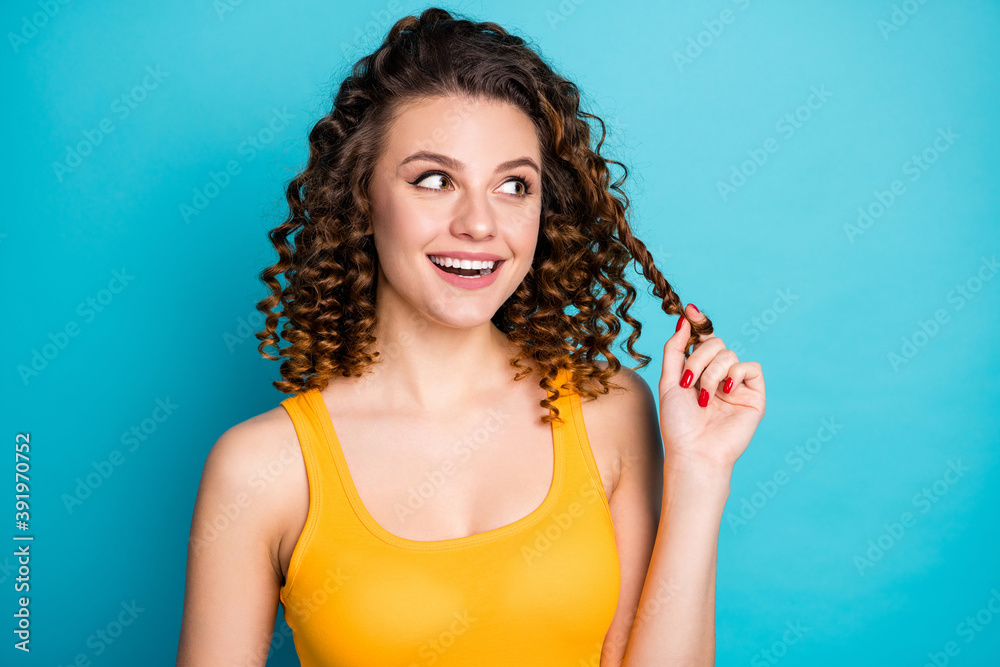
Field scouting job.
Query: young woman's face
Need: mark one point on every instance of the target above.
(459, 180)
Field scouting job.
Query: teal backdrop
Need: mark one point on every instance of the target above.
(819, 177)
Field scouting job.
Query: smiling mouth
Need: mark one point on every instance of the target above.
(468, 273)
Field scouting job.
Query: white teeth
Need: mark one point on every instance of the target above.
(463, 263)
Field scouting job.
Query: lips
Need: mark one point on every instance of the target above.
(497, 263)
(468, 282)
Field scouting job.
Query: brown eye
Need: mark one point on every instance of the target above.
(430, 178)
(520, 187)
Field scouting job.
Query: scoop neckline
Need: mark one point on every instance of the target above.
(332, 443)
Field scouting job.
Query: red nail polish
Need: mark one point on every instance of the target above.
(680, 321)
(695, 307)
(728, 386)
(686, 380)
(703, 398)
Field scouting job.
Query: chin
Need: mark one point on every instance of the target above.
(468, 319)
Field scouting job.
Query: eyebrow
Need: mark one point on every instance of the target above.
(458, 165)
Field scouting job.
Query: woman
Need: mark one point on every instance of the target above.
(435, 490)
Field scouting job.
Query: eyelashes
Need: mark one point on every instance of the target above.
(517, 179)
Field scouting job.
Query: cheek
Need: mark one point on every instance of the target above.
(391, 217)
(400, 231)
(524, 230)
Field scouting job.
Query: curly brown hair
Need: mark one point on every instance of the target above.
(584, 241)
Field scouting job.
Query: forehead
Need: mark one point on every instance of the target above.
(472, 130)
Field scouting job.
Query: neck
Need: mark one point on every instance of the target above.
(432, 368)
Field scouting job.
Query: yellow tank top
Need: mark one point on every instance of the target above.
(539, 591)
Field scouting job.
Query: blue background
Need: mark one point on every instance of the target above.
(778, 261)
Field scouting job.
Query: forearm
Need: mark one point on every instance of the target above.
(675, 620)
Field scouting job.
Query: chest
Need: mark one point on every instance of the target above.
(478, 472)
(440, 480)
(485, 602)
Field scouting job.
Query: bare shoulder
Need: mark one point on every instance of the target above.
(256, 439)
(632, 383)
(256, 449)
(627, 421)
(257, 463)
(247, 486)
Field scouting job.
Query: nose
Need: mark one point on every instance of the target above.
(474, 217)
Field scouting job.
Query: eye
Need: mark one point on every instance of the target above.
(520, 184)
(520, 187)
(430, 176)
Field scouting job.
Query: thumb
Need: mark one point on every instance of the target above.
(673, 355)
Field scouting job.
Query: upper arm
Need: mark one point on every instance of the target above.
(636, 500)
(231, 589)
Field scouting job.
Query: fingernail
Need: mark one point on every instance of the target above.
(728, 386)
(695, 307)
(686, 380)
(703, 398)
(680, 321)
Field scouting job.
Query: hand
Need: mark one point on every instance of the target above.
(717, 428)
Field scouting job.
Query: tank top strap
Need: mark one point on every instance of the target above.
(327, 498)
(582, 475)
